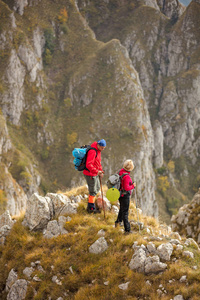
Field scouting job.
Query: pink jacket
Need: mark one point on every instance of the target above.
(126, 182)
(93, 163)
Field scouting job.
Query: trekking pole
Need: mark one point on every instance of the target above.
(102, 197)
(137, 209)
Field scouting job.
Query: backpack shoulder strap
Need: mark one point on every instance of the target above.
(92, 148)
(124, 174)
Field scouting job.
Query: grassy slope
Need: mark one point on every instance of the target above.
(91, 271)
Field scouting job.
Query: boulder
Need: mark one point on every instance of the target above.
(12, 277)
(164, 251)
(5, 219)
(153, 265)
(28, 271)
(38, 213)
(138, 260)
(99, 246)
(62, 204)
(18, 290)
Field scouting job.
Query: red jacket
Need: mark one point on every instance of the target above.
(126, 182)
(93, 163)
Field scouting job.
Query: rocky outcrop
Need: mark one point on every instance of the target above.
(171, 8)
(40, 210)
(187, 220)
(6, 224)
(18, 290)
(16, 192)
(149, 259)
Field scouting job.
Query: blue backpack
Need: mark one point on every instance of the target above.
(80, 155)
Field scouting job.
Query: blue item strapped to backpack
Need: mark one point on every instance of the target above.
(80, 155)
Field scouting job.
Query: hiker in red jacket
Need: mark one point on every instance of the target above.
(93, 171)
(125, 191)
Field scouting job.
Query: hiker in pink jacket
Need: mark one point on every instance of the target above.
(125, 191)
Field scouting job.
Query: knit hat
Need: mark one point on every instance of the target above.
(128, 165)
(102, 143)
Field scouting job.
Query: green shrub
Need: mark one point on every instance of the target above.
(45, 153)
(161, 170)
(172, 205)
(68, 102)
(163, 183)
(49, 46)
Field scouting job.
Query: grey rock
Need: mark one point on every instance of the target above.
(19, 6)
(179, 247)
(153, 265)
(28, 271)
(13, 102)
(56, 280)
(62, 221)
(18, 290)
(138, 261)
(54, 227)
(178, 297)
(124, 286)
(151, 248)
(175, 235)
(36, 278)
(101, 232)
(12, 278)
(175, 242)
(99, 246)
(37, 213)
(188, 254)
(62, 204)
(5, 219)
(115, 209)
(5, 230)
(158, 145)
(183, 278)
(164, 251)
(191, 241)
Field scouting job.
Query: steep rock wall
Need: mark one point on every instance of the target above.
(95, 93)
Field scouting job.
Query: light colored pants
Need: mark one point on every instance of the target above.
(93, 184)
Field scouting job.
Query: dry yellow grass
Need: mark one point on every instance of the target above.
(89, 276)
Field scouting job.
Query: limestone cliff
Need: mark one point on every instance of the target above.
(61, 88)
(162, 40)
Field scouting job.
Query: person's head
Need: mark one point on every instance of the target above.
(128, 165)
(101, 145)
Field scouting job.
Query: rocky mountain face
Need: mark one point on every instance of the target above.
(74, 72)
(162, 39)
(187, 220)
(52, 103)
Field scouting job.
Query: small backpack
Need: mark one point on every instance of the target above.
(80, 155)
(114, 181)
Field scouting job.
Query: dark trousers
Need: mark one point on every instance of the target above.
(123, 211)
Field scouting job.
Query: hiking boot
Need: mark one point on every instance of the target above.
(117, 224)
(93, 211)
(128, 232)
